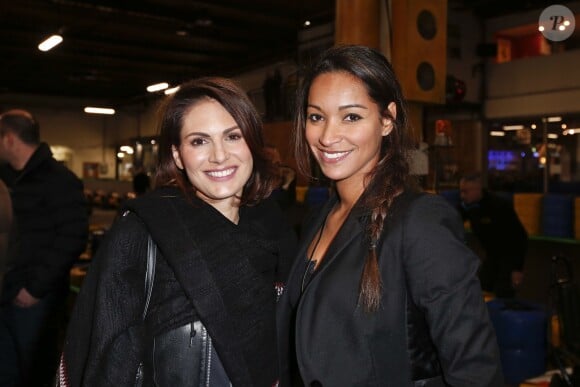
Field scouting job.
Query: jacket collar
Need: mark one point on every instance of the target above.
(40, 156)
(352, 227)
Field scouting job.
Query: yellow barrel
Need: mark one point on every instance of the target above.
(577, 217)
(301, 193)
(528, 207)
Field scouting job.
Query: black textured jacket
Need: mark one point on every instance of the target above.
(51, 218)
(207, 269)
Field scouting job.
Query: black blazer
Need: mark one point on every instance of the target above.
(424, 263)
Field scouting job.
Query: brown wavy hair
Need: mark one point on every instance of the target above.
(391, 174)
(225, 91)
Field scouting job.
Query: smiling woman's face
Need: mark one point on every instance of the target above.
(344, 127)
(213, 153)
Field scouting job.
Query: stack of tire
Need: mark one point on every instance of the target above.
(521, 330)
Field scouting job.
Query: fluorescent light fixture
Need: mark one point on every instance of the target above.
(171, 90)
(49, 43)
(552, 135)
(513, 127)
(98, 110)
(157, 87)
(496, 133)
(554, 119)
(127, 149)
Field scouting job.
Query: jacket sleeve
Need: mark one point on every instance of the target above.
(102, 343)
(441, 273)
(67, 209)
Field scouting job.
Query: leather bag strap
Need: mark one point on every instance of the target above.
(150, 272)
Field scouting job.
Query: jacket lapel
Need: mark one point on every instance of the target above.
(352, 227)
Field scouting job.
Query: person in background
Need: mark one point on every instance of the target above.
(5, 227)
(500, 232)
(223, 253)
(285, 192)
(141, 182)
(52, 228)
(383, 282)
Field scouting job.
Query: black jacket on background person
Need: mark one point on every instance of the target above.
(51, 218)
(502, 236)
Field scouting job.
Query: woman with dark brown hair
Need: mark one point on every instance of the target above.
(222, 252)
(384, 291)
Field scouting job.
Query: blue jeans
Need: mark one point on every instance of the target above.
(29, 339)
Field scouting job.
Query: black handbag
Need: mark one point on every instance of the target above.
(149, 277)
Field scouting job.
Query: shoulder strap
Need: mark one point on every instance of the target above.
(150, 272)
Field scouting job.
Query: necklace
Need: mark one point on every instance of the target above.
(311, 263)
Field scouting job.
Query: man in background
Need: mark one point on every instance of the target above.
(502, 236)
(52, 228)
(5, 227)
(141, 182)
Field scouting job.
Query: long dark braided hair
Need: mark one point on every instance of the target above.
(391, 174)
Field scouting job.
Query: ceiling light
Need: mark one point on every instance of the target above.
(171, 90)
(127, 149)
(307, 23)
(496, 133)
(98, 110)
(49, 43)
(554, 119)
(513, 127)
(552, 136)
(157, 87)
(203, 22)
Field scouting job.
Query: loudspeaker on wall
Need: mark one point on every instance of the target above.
(419, 48)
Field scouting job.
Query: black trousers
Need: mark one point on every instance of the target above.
(495, 276)
(29, 342)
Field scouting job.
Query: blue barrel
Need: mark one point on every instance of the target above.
(558, 215)
(521, 330)
(316, 196)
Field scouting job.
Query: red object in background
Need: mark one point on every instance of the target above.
(443, 131)
(454, 89)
